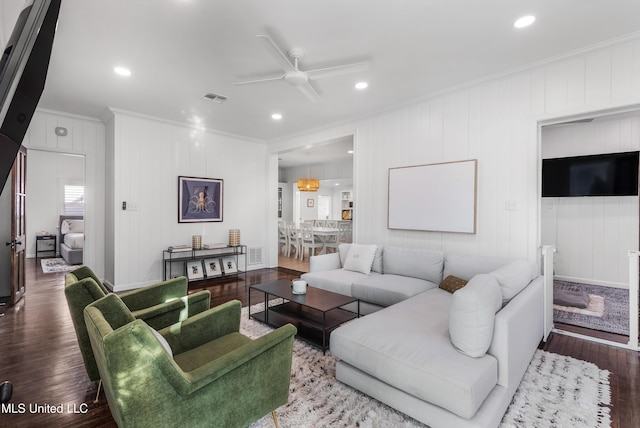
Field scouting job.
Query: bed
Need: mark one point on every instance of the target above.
(71, 229)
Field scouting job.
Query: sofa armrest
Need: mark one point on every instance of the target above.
(174, 310)
(203, 327)
(155, 294)
(270, 353)
(324, 262)
(517, 333)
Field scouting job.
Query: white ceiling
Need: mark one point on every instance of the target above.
(179, 50)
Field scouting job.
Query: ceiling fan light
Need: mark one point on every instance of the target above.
(308, 184)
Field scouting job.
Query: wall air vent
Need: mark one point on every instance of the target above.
(215, 98)
(255, 256)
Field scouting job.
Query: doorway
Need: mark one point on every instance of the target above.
(332, 163)
(592, 234)
(55, 186)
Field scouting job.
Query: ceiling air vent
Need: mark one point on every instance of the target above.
(215, 98)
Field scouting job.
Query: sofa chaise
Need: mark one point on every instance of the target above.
(446, 339)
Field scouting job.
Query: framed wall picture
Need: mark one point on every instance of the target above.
(213, 267)
(229, 265)
(199, 199)
(194, 270)
(310, 203)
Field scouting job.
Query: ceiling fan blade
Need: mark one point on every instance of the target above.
(321, 73)
(277, 54)
(309, 92)
(268, 79)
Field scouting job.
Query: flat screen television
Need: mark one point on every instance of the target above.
(611, 174)
(23, 71)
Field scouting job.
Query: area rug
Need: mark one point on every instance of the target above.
(56, 265)
(556, 391)
(615, 317)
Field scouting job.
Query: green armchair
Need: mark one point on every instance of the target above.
(209, 375)
(159, 305)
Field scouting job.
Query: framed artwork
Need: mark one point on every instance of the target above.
(213, 267)
(310, 203)
(199, 199)
(194, 270)
(229, 265)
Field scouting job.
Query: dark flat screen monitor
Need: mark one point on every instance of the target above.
(612, 174)
(23, 71)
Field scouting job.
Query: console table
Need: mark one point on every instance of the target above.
(181, 263)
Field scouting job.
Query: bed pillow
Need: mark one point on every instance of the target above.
(72, 226)
(472, 315)
(360, 258)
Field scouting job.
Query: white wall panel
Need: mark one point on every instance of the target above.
(496, 122)
(149, 157)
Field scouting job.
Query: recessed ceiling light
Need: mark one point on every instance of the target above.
(361, 85)
(525, 21)
(350, 152)
(276, 116)
(122, 71)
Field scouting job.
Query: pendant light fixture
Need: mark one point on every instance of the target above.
(308, 184)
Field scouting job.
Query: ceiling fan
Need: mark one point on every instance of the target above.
(299, 78)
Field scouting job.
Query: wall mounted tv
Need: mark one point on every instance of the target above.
(612, 174)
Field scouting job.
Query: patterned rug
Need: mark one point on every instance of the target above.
(56, 265)
(615, 314)
(556, 391)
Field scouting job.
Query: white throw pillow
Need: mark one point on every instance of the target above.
(514, 277)
(360, 258)
(472, 315)
(162, 341)
(72, 226)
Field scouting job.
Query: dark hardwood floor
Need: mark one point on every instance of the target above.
(39, 354)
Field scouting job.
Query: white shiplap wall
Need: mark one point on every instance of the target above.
(494, 121)
(86, 136)
(146, 157)
(592, 235)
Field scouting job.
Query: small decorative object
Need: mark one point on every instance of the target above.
(194, 270)
(229, 265)
(213, 267)
(196, 242)
(299, 286)
(199, 199)
(234, 237)
(310, 203)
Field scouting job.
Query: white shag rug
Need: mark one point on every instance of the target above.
(556, 391)
(56, 265)
(595, 308)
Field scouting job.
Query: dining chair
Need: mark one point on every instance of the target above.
(283, 240)
(309, 241)
(294, 240)
(333, 224)
(319, 223)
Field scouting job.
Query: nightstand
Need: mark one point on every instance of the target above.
(48, 239)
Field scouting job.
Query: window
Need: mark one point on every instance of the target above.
(73, 200)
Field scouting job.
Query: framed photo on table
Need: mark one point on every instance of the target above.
(194, 270)
(213, 267)
(229, 265)
(199, 199)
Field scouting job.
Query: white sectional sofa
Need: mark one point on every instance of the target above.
(446, 359)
